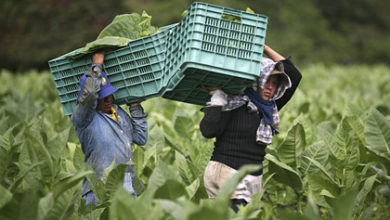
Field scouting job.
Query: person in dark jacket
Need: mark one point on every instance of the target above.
(244, 125)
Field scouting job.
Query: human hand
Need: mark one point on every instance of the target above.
(272, 54)
(97, 60)
(133, 104)
(218, 98)
(208, 89)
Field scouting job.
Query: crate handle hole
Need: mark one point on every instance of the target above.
(231, 17)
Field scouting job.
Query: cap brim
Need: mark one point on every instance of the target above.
(274, 72)
(106, 92)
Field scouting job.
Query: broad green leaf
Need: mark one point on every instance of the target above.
(326, 193)
(56, 145)
(171, 189)
(184, 170)
(361, 196)
(68, 182)
(342, 206)
(106, 43)
(342, 141)
(6, 196)
(284, 173)
(63, 206)
(289, 215)
(138, 185)
(317, 152)
(385, 190)
(358, 127)
(132, 26)
(281, 194)
(138, 157)
(193, 188)
(293, 145)
(93, 214)
(150, 157)
(323, 169)
(7, 151)
(175, 210)
(200, 193)
(184, 126)
(156, 139)
(24, 205)
(160, 174)
(321, 186)
(329, 139)
(229, 187)
(27, 174)
(377, 133)
(4, 126)
(311, 209)
(38, 152)
(368, 212)
(354, 110)
(380, 172)
(352, 158)
(172, 143)
(201, 154)
(210, 209)
(249, 10)
(45, 204)
(123, 29)
(107, 171)
(122, 207)
(115, 179)
(97, 187)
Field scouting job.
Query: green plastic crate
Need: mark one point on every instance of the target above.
(213, 46)
(136, 70)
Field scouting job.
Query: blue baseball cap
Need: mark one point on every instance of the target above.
(106, 88)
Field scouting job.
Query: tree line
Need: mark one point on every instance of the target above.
(311, 31)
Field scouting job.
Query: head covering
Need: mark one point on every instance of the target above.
(105, 87)
(268, 68)
(269, 123)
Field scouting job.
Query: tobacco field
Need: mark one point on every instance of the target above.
(330, 161)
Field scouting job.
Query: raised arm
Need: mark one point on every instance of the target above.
(87, 101)
(290, 70)
(275, 56)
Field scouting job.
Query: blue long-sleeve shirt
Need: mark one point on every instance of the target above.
(102, 138)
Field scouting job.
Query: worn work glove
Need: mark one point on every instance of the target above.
(218, 98)
(92, 85)
(96, 70)
(137, 111)
(90, 91)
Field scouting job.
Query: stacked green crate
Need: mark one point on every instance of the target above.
(136, 70)
(215, 47)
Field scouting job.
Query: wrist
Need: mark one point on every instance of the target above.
(96, 69)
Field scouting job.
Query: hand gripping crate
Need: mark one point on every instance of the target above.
(136, 70)
(215, 47)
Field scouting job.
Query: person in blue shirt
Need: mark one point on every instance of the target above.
(106, 132)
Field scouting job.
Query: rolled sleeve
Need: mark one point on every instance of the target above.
(85, 108)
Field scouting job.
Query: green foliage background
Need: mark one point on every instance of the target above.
(312, 31)
(330, 161)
